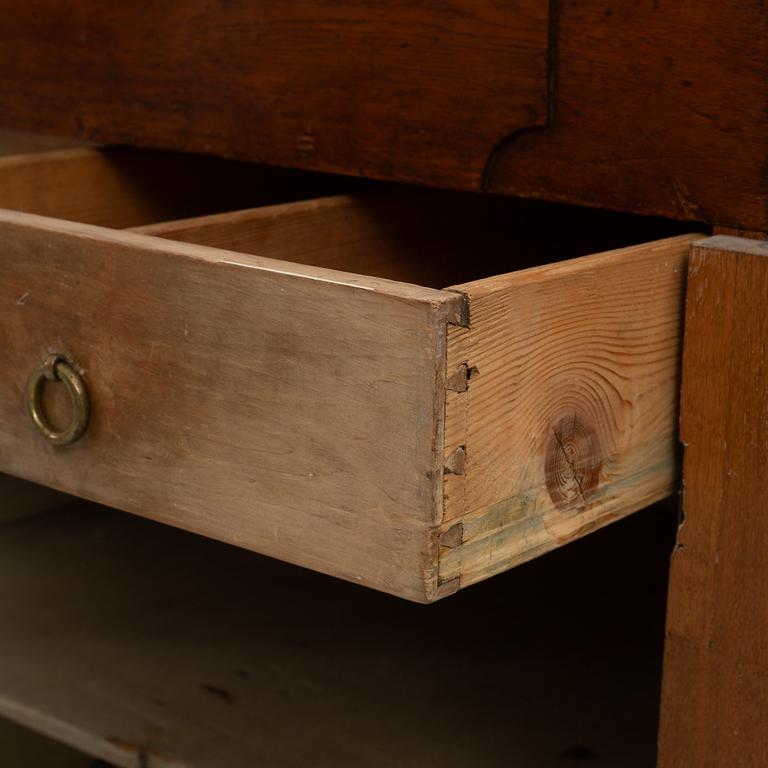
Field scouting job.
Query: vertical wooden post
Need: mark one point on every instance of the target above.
(715, 691)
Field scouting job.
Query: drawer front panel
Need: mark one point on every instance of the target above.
(293, 413)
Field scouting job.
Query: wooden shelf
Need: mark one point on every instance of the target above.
(147, 646)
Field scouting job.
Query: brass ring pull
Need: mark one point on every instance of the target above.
(56, 368)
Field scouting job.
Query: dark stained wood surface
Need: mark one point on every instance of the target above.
(715, 695)
(638, 105)
(413, 90)
(659, 107)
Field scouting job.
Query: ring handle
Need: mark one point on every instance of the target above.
(56, 368)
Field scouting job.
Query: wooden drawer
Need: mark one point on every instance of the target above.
(327, 401)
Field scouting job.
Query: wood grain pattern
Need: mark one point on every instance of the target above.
(291, 410)
(123, 187)
(570, 410)
(380, 89)
(148, 646)
(715, 700)
(684, 135)
(450, 94)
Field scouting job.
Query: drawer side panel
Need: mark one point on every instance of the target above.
(570, 413)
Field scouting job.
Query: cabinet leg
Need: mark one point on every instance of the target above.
(715, 691)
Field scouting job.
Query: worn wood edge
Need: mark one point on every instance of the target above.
(432, 586)
(179, 227)
(560, 269)
(477, 544)
(733, 244)
(447, 300)
(456, 419)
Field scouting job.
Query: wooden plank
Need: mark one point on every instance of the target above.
(147, 646)
(402, 90)
(450, 94)
(571, 408)
(291, 410)
(715, 701)
(685, 135)
(123, 187)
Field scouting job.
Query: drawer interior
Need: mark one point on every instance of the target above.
(428, 237)
(123, 187)
(144, 645)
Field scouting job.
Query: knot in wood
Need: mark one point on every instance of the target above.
(573, 463)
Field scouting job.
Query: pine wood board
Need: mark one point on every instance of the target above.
(569, 418)
(346, 232)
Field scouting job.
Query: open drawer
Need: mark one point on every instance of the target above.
(297, 379)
